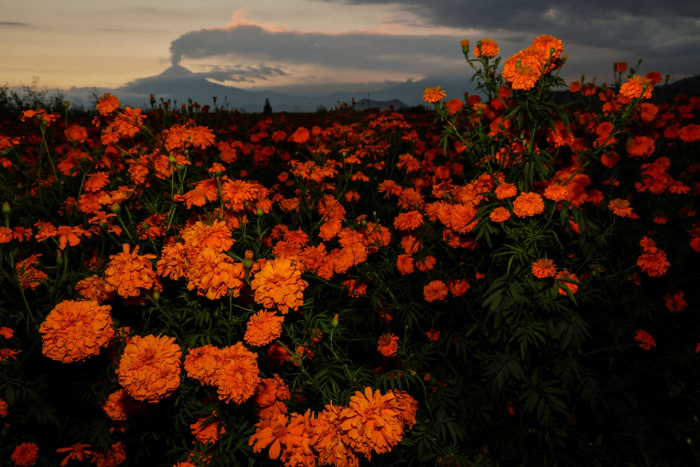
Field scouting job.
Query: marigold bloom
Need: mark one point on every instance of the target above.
(237, 374)
(300, 136)
(556, 193)
(575, 86)
(25, 455)
(7, 354)
(634, 86)
(128, 272)
(544, 267)
(75, 330)
(262, 328)
(453, 106)
(372, 422)
(208, 429)
(620, 207)
(201, 363)
(410, 220)
(275, 434)
(120, 406)
(387, 345)
(330, 441)
(500, 214)
(78, 452)
(640, 146)
(458, 287)
(404, 264)
(674, 302)
(114, 456)
(216, 236)
(487, 48)
(94, 288)
(645, 340)
(279, 284)
(433, 95)
(689, 133)
(271, 390)
(528, 204)
(523, 69)
(567, 275)
(506, 190)
(3, 408)
(653, 263)
(434, 291)
(547, 45)
(29, 276)
(7, 333)
(149, 368)
(407, 405)
(214, 274)
(107, 104)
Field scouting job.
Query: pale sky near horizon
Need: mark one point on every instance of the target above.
(271, 43)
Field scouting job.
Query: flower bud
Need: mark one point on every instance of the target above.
(116, 209)
(248, 260)
(518, 63)
(171, 159)
(334, 323)
(260, 212)
(363, 223)
(59, 259)
(179, 167)
(465, 46)
(668, 77)
(66, 104)
(156, 295)
(6, 208)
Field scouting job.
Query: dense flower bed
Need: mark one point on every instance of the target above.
(506, 280)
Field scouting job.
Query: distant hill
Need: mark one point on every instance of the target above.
(178, 84)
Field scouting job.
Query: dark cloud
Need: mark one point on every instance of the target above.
(352, 50)
(13, 24)
(241, 74)
(622, 24)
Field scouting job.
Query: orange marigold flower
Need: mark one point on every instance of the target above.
(575, 86)
(275, 433)
(435, 290)
(645, 340)
(433, 95)
(690, 133)
(674, 302)
(78, 452)
(216, 236)
(372, 422)
(433, 334)
(9, 354)
(74, 330)
(547, 45)
(458, 287)
(556, 193)
(263, 327)
(237, 374)
(25, 455)
(3, 408)
(271, 390)
(300, 136)
(528, 204)
(173, 261)
(523, 69)
(7, 333)
(330, 441)
(407, 405)
(201, 363)
(487, 48)
(640, 146)
(634, 86)
(567, 275)
(107, 104)
(120, 406)
(279, 284)
(29, 276)
(214, 274)
(128, 272)
(453, 106)
(149, 368)
(653, 262)
(620, 207)
(387, 345)
(94, 288)
(500, 214)
(404, 264)
(208, 429)
(506, 190)
(410, 220)
(114, 456)
(544, 267)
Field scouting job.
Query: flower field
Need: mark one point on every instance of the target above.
(508, 279)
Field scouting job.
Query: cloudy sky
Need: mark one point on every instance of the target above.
(299, 45)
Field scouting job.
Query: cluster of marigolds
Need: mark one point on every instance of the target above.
(199, 253)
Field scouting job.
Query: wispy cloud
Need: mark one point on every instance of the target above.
(14, 24)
